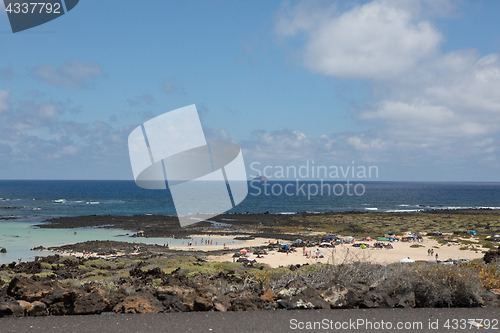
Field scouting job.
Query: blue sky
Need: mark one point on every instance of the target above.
(412, 87)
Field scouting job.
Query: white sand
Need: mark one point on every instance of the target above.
(347, 253)
(340, 254)
(218, 243)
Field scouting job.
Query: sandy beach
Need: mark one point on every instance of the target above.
(347, 253)
(340, 254)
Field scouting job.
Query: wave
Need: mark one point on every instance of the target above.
(288, 213)
(371, 208)
(404, 210)
(87, 202)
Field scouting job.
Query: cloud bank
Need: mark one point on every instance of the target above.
(75, 74)
(425, 102)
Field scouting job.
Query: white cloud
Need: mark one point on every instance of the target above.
(360, 143)
(4, 100)
(425, 102)
(288, 145)
(36, 143)
(454, 95)
(72, 74)
(171, 86)
(47, 110)
(376, 40)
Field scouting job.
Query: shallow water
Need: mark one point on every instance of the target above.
(18, 237)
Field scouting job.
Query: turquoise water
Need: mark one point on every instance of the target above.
(19, 237)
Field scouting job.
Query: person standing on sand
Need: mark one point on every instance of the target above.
(437, 256)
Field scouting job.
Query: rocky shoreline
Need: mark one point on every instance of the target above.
(280, 226)
(161, 280)
(115, 277)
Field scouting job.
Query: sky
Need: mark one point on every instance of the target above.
(411, 87)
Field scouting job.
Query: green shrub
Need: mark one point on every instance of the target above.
(100, 263)
(46, 274)
(45, 265)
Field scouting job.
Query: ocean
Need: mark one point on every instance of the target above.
(29, 202)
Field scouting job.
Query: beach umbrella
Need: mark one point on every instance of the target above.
(382, 239)
(298, 240)
(328, 244)
(243, 251)
(472, 232)
(363, 246)
(368, 238)
(349, 237)
(317, 251)
(488, 236)
(286, 246)
(496, 236)
(406, 260)
(330, 237)
(248, 255)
